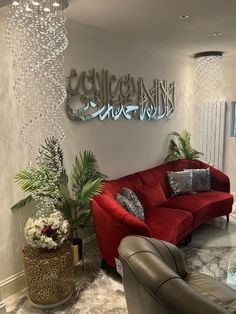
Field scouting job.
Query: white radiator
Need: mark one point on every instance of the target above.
(212, 133)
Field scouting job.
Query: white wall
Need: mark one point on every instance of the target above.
(121, 146)
(124, 146)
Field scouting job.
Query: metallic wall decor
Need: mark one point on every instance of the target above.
(37, 37)
(101, 94)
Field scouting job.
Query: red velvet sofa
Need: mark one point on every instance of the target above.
(173, 221)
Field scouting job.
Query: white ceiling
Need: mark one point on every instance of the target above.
(157, 21)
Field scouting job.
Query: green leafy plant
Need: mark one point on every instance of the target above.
(180, 147)
(47, 181)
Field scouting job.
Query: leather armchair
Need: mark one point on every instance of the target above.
(156, 281)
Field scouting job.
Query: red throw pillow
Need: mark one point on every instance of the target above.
(151, 196)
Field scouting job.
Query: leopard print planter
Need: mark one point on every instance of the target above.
(49, 274)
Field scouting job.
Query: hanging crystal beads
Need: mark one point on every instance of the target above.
(208, 81)
(208, 77)
(37, 37)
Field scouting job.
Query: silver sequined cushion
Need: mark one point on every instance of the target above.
(201, 179)
(180, 181)
(131, 196)
(129, 206)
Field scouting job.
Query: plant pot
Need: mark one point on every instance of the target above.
(49, 275)
(77, 249)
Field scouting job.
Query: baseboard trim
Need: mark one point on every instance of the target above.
(2, 308)
(17, 282)
(12, 285)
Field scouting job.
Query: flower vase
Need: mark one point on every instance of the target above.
(49, 275)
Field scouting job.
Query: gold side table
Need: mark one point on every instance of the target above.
(49, 275)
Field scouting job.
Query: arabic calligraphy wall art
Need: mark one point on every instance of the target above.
(101, 94)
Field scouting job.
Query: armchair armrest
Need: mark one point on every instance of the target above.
(161, 249)
(176, 289)
(154, 272)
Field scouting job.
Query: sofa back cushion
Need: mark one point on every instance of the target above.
(113, 187)
(150, 176)
(151, 196)
(159, 173)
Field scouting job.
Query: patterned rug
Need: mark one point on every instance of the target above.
(102, 293)
(211, 261)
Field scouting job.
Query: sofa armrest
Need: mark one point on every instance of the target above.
(112, 223)
(219, 180)
(119, 214)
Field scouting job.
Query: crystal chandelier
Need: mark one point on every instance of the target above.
(208, 76)
(209, 110)
(37, 37)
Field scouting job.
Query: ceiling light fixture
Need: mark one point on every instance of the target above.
(39, 75)
(36, 3)
(44, 5)
(216, 34)
(208, 82)
(28, 9)
(56, 4)
(183, 16)
(208, 54)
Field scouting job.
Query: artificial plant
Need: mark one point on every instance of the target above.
(48, 183)
(180, 147)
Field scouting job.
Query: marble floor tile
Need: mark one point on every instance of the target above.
(217, 232)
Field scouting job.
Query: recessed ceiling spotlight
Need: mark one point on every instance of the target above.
(36, 3)
(15, 3)
(216, 34)
(183, 16)
(46, 9)
(56, 4)
(28, 9)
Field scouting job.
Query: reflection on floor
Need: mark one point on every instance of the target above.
(102, 292)
(216, 233)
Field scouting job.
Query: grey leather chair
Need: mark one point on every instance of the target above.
(156, 281)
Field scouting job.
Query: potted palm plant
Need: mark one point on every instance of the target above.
(47, 182)
(180, 147)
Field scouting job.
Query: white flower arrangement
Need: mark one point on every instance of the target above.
(47, 232)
